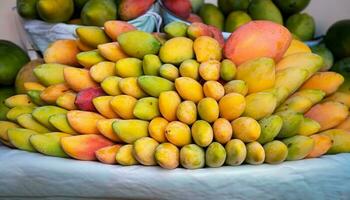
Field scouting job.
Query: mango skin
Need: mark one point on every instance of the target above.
(146, 108)
(222, 130)
(168, 104)
(156, 129)
(49, 74)
(84, 99)
(78, 79)
(125, 156)
(259, 74)
(275, 152)
(27, 121)
(212, 15)
(236, 152)
(151, 64)
(187, 112)
(341, 140)
(214, 90)
(42, 114)
(49, 144)
(129, 10)
(105, 127)
(176, 29)
(154, 85)
(329, 82)
(192, 157)
(228, 70)
(345, 125)
(270, 127)
(231, 106)
(103, 106)
(18, 100)
(33, 86)
(111, 51)
(35, 97)
(246, 129)
(114, 28)
(299, 146)
(84, 122)
(15, 112)
(340, 97)
(308, 127)
(144, 150)
(123, 106)
(198, 29)
(265, 10)
(67, 100)
(167, 156)
(260, 105)
(138, 43)
(176, 50)
(255, 153)
(133, 69)
(60, 122)
(51, 93)
(322, 144)
(208, 109)
(130, 130)
(215, 155)
(297, 46)
(291, 123)
(107, 154)
(207, 48)
(92, 35)
(189, 68)
(178, 133)
(102, 70)
(4, 126)
(169, 71)
(89, 58)
(236, 86)
(189, 89)
(52, 55)
(130, 86)
(110, 85)
(19, 138)
(210, 70)
(202, 133)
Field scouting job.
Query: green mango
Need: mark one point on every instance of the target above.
(299, 146)
(176, 29)
(55, 11)
(27, 8)
(265, 10)
(275, 152)
(192, 156)
(289, 7)
(215, 155)
(49, 74)
(236, 19)
(227, 6)
(212, 15)
(291, 123)
(49, 144)
(154, 85)
(42, 114)
(19, 137)
(302, 25)
(270, 127)
(326, 54)
(146, 108)
(130, 130)
(35, 97)
(60, 122)
(151, 64)
(13, 113)
(97, 12)
(27, 121)
(5, 92)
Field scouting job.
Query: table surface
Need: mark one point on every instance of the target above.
(34, 176)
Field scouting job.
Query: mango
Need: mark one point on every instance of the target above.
(217, 35)
(6, 143)
(227, 70)
(161, 37)
(345, 125)
(49, 74)
(67, 100)
(113, 28)
(187, 112)
(291, 123)
(107, 154)
(189, 68)
(207, 48)
(208, 109)
(154, 85)
(27, 9)
(222, 130)
(35, 97)
(102, 70)
(4, 126)
(326, 54)
(78, 79)
(104, 126)
(125, 156)
(308, 127)
(131, 9)
(235, 20)
(53, 53)
(151, 64)
(83, 147)
(111, 51)
(144, 150)
(210, 70)
(26, 74)
(192, 18)
(168, 104)
(198, 29)
(176, 50)
(212, 15)
(84, 98)
(138, 43)
(167, 156)
(260, 105)
(255, 153)
(328, 82)
(51, 93)
(102, 105)
(60, 122)
(231, 106)
(15, 112)
(246, 129)
(275, 152)
(192, 156)
(89, 58)
(92, 35)
(215, 155)
(178, 133)
(19, 138)
(123, 106)
(297, 46)
(236, 152)
(213, 89)
(236, 86)
(18, 100)
(328, 114)
(270, 127)
(258, 74)
(322, 144)
(97, 12)
(49, 144)
(82, 46)
(181, 8)
(257, 35)
(169, 71)
(156, 129)
(202, 133)
(299, 146)
(130, 130)
(340, 97)
(84, 122)
(301, 25)
(176, 29)
(130, 86)
(27, 121)
(33, 86)
(110, 85)
(265, 10)
(146, 108)
(340, 139)
(133, 69)
(189, 89)
(48, 11)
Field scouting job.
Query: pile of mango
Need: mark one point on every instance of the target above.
(132, 98)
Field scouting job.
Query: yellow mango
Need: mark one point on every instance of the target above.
(236, 152)
(167, 156)
(208, 109)
(82, 46)
(51, 93)
(4, 126)
(144, 150)
(15, 112)
(210, 70)
(207, 48)
(189, 89)
(104, 126)
(103, 106)
(255, 153)
(18, 100)
(129, 67)
(42, 114)
(328, 82)
(187, 112)
(146, 108)
(178, 133)
(169, 71)
(60, 122)
(168, 103)
(78, 79)
(260, 105)
(156, 129)
(297, 46)
(111, 51)
(228, 70)
(236, 86)
(123, 106)
(202, 133)
(67, 100)
(308, 127)
(19, 138)
(102, 70)
(275, 152)
(214, 90)
(246, 129)
(151, 64)
(125, 156)
(33, 86)
(92, 36)
(154, 85)
(89, 58)
(189, 68)
(130, 130)
(231, 106)
(176, 50)
(192, 156)
(222, 130)
(322, 143)
(215, 155)
(110, 85)
(27, 121)
(84, 122)
(129, 86)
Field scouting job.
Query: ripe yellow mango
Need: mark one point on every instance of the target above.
(103, 106)
(92, 35)
(169, 71)
(107, 154)
(210, 70)
(102, 70)
(260, 105)
(151, 64)
(130, 130)
(222, 130)
(341, 141)
(156, 129)
(214, 90)
(105, 127)
(192, 156)
(18, 100)
(49, 74)
(146, 108)
(4, 126)
(125, 156)
(27, 121)
(189, 68)
(60, 122)
(236, 86)
(33, 86)
(110, 85)
(328, 82)
(154, 85)
(82, 46)
(258, 74)
(178, 133)
(78, 79)
(187, 112)
(246, 129)
(144, 150)
(15, 112)
(202, 133)
(19, 138)
(89, 58)
(35, 97)
(207, 48)
(228, 70)
(297, 46)
(176, 50)
(51, 93)
(215, 155)
(275, 152)
(123, 106)
(111, 51)
(189, 89)
(84, 122)
(208, 109)
(255, 153)
(67, 100)
(308, 127)
(129, 86)
(167, 155)
(231, 106)
(322, 143)
(129, 67)
(168, 103)
(236, 152)
(42, 114)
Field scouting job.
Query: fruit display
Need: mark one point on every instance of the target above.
(182, 98)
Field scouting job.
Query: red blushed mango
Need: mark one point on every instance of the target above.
(111, 51)
(78, 79)
(268, 39)
(194, 18)
(84, 122)
(84, 98)
(328, 114)
(328, 82)
(107, 154)
(83, 147)
(181, 8)
(197, 29)
(51, 93)
(322, 143)
(62, 52)
(114, 28)
(345, 125)
(131, 9)
(217, 35)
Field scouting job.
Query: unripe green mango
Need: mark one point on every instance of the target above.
(49, 74)
(291, 123)
(308, 127)
(270, 127)
(192, 156)
(60, 122)
(236, 19)
(265, 10)
(228, 70)
(35, 97)
(301, 25)
(215, 155)
(42, 114)
(299, 146)
(49, 144)
(212, 15)
(15, 112)
(27, 121)
(146, 108)
(151, 64)
(176, 29)
(19, 137)
(97, 12)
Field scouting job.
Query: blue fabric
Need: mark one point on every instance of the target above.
(24, 174)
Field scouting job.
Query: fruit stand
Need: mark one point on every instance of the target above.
(174, 99)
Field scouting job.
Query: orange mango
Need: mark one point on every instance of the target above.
(51, 93)
(62, 52)
(84, 122)
(107, 154)
(104, 126)
(114, 28)
(322, 143)
(328, 82)
(78, 79)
